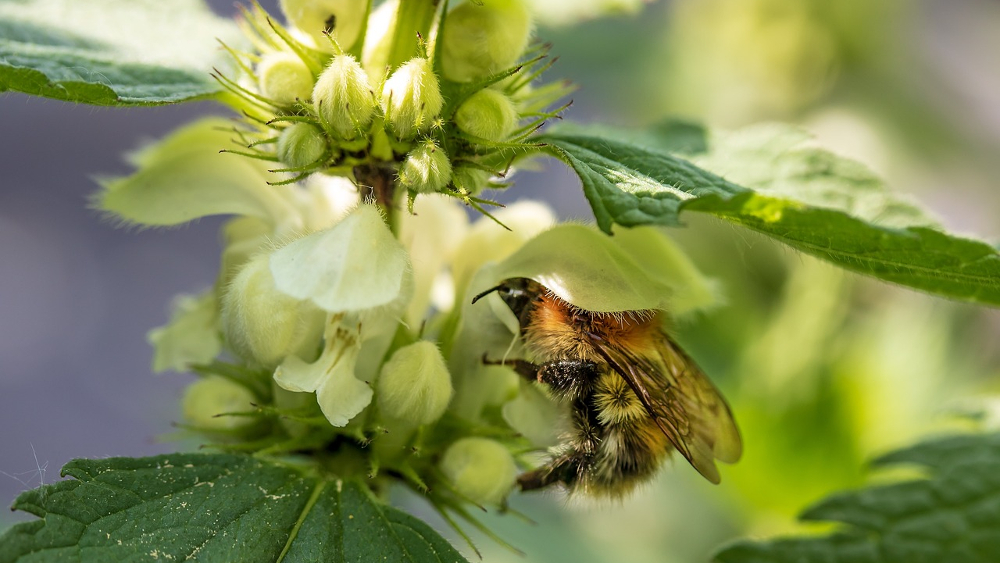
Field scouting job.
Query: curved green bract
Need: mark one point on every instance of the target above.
(769, 179)
(953, 515)
(106, 52)
(214, 509)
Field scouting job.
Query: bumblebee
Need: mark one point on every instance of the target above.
(634, 395)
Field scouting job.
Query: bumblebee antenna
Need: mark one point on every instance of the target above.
(485, 293)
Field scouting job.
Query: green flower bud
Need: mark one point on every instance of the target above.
(481, 38)
(211, 396)
(471, 178)
(479, 468)
(426, 168)
(487, 114)
(415, 385)
(343, 97)
(341, 18)
(284, 78)
(411, 98)
(301, 144)
(264, 325)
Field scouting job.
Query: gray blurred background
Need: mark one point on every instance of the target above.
(77, 295)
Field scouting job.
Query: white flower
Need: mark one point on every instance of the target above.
(354, 266)
(341, 396)
(430, 235)
(191, 336)
(342, 18)
(636, 269)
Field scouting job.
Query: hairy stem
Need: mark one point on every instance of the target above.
(377, 183)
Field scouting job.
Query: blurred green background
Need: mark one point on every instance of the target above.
(824, 369)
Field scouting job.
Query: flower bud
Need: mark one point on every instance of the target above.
(263, 325)
(414, 385)
(343, 97)
(426, 168)
(471, 178)
(487, 114)
(479, 468)
(482, 38)
(211, 396)
(411, 98)
(284, 78)
(341, 18)
(301, 144)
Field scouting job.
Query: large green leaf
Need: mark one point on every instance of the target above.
(770, 179)
(214, 509)
(952, 516)
(109, 52)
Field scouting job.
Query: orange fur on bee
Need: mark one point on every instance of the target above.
(559, 330)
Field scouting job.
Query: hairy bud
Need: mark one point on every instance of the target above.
(206, 399)
(411, 98)
(426, 168)
(479, 468)
(301, 144)
(343, 97)
(414, 385)
(263, 325)
(487, 114)
(481, 38)
(284, 78)
(471, 179)
(341, 18)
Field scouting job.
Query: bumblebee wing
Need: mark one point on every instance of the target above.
(682, 401)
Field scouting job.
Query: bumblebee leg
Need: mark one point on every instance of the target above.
(524, 368)
(565, 469)
(571, 379)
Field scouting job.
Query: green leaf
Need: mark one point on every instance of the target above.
(212, 508)
(770, 179)
(108, 52)
(952, 516)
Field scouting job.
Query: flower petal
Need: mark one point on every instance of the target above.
(342, 397)
(597, 273)
(183, 177)
(431, 235)
(354, 266)
(489, 242)
(484, 328)
(535, 416)
(663, 260)
(191, 336)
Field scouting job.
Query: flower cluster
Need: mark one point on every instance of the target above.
(392, 97)
(340, 327)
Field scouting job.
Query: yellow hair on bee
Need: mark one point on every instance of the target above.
(616, 403)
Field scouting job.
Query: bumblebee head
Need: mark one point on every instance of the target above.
(517, 293)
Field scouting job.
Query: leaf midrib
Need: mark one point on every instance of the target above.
(313, 498)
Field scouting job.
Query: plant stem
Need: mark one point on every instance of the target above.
(378, 183)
